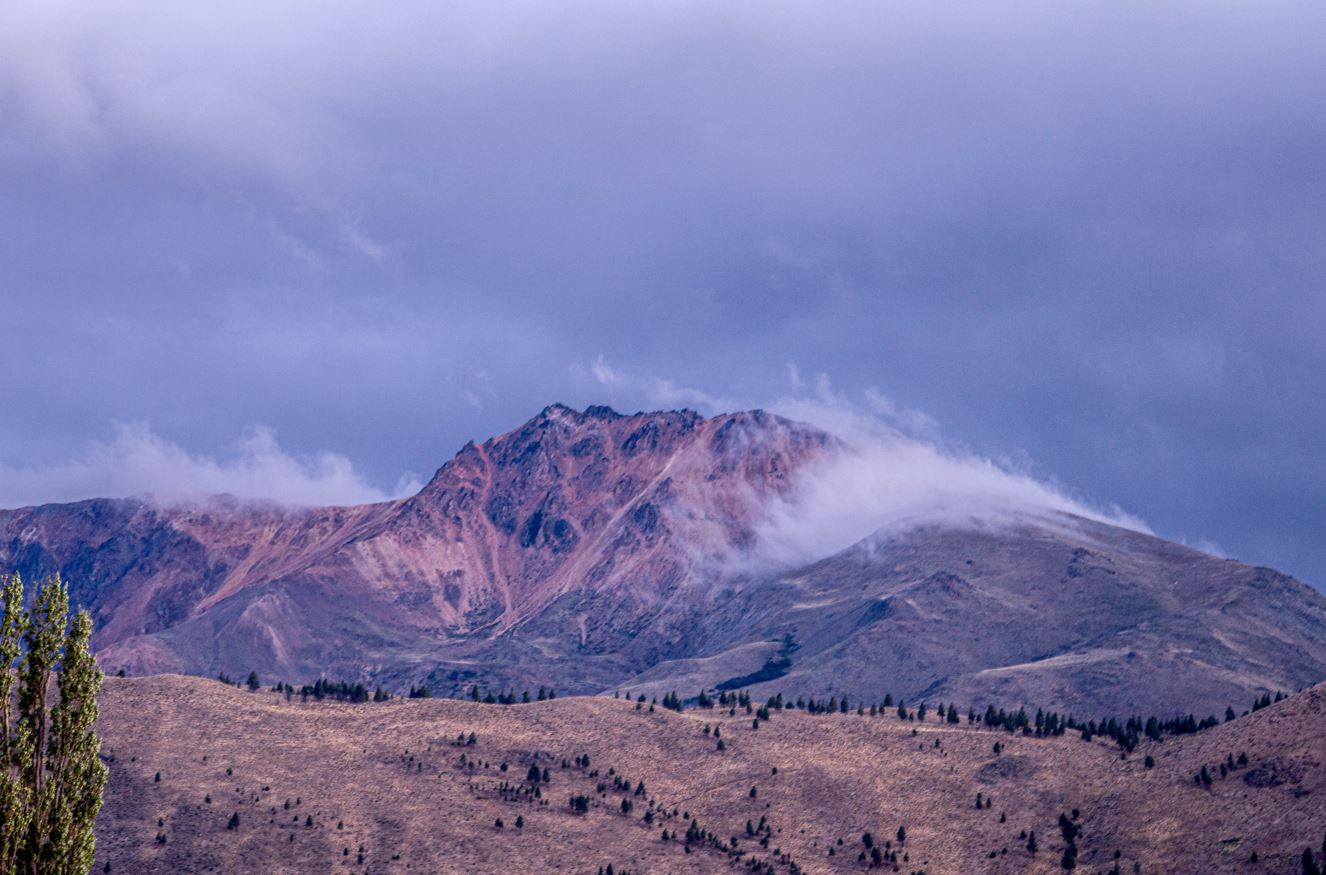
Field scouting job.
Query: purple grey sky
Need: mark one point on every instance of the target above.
(320, 245)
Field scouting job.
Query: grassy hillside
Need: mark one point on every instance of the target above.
(211, 778)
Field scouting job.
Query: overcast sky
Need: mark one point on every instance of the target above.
(317, 246)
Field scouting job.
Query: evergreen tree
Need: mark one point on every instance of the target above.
(51, 777)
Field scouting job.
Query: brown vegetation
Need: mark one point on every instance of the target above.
(398, 786)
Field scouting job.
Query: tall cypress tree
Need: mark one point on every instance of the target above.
(50, 775)
(15, 805)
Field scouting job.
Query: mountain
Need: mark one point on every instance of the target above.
(592, 551)
(210, 778)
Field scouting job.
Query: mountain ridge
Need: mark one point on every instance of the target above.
(593, 550)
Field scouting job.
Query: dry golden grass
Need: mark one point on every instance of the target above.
(387, 777)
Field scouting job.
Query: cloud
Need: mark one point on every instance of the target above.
(893, 473)
(893, 470)
(328, 218)
(137, 461)
(1206, 545)
(653, 391)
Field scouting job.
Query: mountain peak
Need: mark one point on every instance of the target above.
(589, 548)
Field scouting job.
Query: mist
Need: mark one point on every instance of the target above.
(891, 469)
(885, 481)
(139, 462)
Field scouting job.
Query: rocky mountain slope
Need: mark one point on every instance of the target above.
(592, 550)
(210, 778)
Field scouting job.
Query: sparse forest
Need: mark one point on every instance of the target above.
(628, 774)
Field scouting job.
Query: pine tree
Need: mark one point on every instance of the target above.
(51, 777)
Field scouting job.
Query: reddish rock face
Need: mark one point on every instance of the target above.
(623, 507)
(592, 551)
(597, 517)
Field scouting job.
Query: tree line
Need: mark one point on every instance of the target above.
(1126, 732)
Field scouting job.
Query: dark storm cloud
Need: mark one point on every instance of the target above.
(1089, 235)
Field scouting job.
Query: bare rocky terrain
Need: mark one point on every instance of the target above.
(592, 551)
(211, 778)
